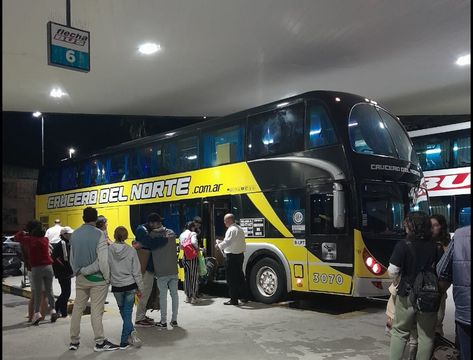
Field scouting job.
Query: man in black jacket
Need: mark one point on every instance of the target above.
(62, 269)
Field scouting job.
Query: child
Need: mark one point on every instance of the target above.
(126, 280)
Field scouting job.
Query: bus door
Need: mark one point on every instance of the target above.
(214, 210)
(326, 244)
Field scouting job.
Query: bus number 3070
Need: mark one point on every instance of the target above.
(328, 278)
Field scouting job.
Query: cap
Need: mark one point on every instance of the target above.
(66, 230)
(57, 221)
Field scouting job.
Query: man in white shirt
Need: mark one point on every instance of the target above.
(54, 232)
(234, 246)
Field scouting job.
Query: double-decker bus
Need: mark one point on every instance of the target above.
(443, 147)
(320, 183)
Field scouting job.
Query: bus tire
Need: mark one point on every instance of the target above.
(267, 281)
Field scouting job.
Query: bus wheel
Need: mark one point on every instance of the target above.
(267, 281)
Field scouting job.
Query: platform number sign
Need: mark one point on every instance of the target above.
(68, 47)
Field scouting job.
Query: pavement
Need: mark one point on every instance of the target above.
(305, 327)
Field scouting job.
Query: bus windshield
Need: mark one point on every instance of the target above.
(376, 132)
(383, 209)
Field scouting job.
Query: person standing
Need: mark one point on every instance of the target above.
(441, 236)
(41, 267)
(455, 268)
(89, 261)
(102, 224)
(145, 238)
(408, 259)
(54, 232)
(165, 267)
(234, 247)
(126, 280)
(62, 269)
(191, 266)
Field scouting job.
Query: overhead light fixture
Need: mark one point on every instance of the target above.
(170, 134)
(149, 48)
(205, 117)
(57, 93)
(37, 114)
(337, 99)
(282, 104)
(463, 60)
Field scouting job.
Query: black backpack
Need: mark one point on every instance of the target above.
(424, 293)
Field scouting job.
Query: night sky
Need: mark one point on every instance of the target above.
(86, 133)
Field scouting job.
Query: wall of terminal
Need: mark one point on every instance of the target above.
(18, 197)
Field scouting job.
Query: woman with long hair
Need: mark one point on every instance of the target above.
(191, 266)
(409, 257)
(441, 237)
(41, 266)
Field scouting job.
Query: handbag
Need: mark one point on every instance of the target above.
(202, 265)
(189, 250)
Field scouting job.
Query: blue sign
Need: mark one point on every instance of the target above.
(68, 47)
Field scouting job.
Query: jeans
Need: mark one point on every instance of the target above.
(42, 276)
(61, 302)
(97, 292)
(125, 301)
(165, 283)
(404, 319)
(237, 287)
(464, 340)
(148, 278)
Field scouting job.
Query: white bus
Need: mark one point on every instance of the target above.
(444, 153)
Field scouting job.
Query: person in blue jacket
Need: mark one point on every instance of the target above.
(148, 238)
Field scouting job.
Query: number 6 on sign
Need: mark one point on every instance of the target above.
(70, 56)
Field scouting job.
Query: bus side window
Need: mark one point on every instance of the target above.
(321, 130)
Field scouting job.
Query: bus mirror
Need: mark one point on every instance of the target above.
(338, 206)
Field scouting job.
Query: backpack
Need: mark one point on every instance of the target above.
(190, 252)
(445, 350)
(424, 293)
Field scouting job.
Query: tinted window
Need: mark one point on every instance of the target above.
(182, 155)
(119, 167)
(321, 130)
(463, 210)
(223, 146)
(68, 178)
(433, 152)
(368, 133)
(144, 162)
(289, 206)
(462, 151)
(276, 132)
(401, 140)
(88, 173)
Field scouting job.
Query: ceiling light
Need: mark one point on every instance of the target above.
(282, 104)
(149, 48)
(463, 60)
(37, 114)
(337, 99)
(57, 93)
(170, 134)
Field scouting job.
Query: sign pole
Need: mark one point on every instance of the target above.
(68, 13)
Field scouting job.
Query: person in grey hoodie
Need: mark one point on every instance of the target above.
(126, 281)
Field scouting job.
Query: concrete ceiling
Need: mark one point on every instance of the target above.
(222, 56)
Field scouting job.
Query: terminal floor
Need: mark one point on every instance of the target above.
(319, 327)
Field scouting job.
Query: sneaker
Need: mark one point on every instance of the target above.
(54, 316)
(194, 300)
(187, 300)
(36, 318)
(134, 340)
(144, 323)
(149, 319)
(161, 325)
(124, 346)
(105, 346)
(174, 324)
(73, 346)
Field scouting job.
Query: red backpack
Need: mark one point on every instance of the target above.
(190, 252)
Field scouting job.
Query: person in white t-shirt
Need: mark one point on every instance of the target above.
(54, 232)
(234, 246)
